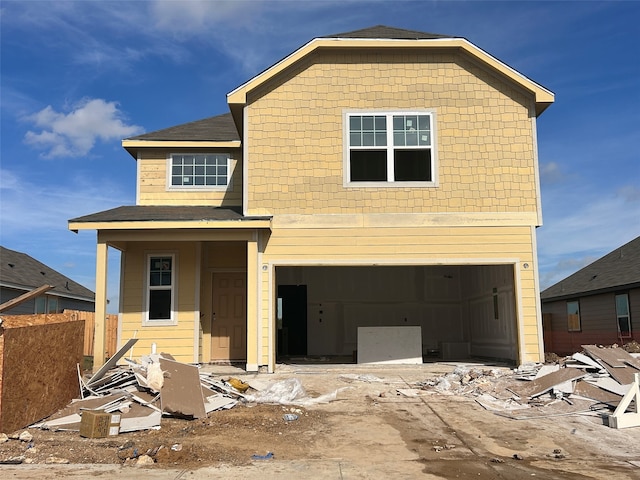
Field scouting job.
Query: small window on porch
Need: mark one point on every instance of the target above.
(160, 289)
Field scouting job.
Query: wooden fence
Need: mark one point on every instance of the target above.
(111, 334)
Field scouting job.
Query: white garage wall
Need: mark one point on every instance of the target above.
(340, 299)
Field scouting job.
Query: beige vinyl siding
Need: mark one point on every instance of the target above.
(484, 135)
(428, 246)
(153, 187)
(178, 339)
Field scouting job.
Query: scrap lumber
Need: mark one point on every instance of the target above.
(618, 362)
(589, 390)
(546, 383)
(25, 297)
(585, 360)
(109, 364)
(620, 418)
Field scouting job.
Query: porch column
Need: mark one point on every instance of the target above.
(101, 304)
(252, 304)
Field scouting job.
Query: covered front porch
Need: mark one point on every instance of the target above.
(188, 280)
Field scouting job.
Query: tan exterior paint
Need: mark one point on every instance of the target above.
(153, 184)
(481, 210)
(453, 245)
(485, 154)
(543, 96)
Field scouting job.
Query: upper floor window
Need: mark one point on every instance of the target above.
(389, 147)
(199, 170)
(573, 316)
(622, 314)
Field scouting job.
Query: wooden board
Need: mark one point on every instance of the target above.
(587, 390)
(618, 362)
(544, 384)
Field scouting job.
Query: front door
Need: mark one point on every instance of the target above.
(229, 317)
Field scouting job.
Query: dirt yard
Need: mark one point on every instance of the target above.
(370, 429)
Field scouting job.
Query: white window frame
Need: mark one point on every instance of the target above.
(169, 169)
(627, 315)
(172, 320)
(390, 147)
(571, 327)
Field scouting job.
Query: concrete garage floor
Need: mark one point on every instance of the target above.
(371, 432)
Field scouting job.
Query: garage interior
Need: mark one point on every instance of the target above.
(464, 311)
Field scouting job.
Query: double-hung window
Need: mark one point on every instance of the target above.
(47, 304)
(199, 171)
(160, 288)
(573, 316)
(623, 315)
(389, 147)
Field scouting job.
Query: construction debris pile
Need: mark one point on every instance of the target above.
(599, 380)
(135, 396)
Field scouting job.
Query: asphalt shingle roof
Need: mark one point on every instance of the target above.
(213, 129)
(385, 32)
(149, 213)
(20, 270)
(618, 269)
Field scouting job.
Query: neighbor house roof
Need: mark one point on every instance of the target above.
(22, 272)
(161, 216)
(619, 269)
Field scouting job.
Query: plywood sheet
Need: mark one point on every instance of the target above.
(38, 367)
(181, 392)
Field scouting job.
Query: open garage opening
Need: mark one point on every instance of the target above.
(464, 311)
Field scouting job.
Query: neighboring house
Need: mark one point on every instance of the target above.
(598, 304)
(381, 177)
(20, 273)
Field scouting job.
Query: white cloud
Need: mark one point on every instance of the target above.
(75, 133)
(550, 173)
(630, 193)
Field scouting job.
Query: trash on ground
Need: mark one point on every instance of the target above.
(268, 456)
(595, 381)
(290, 392)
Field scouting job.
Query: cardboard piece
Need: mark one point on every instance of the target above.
(99, 424)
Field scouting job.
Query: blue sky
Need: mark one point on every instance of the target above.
(77, 77)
